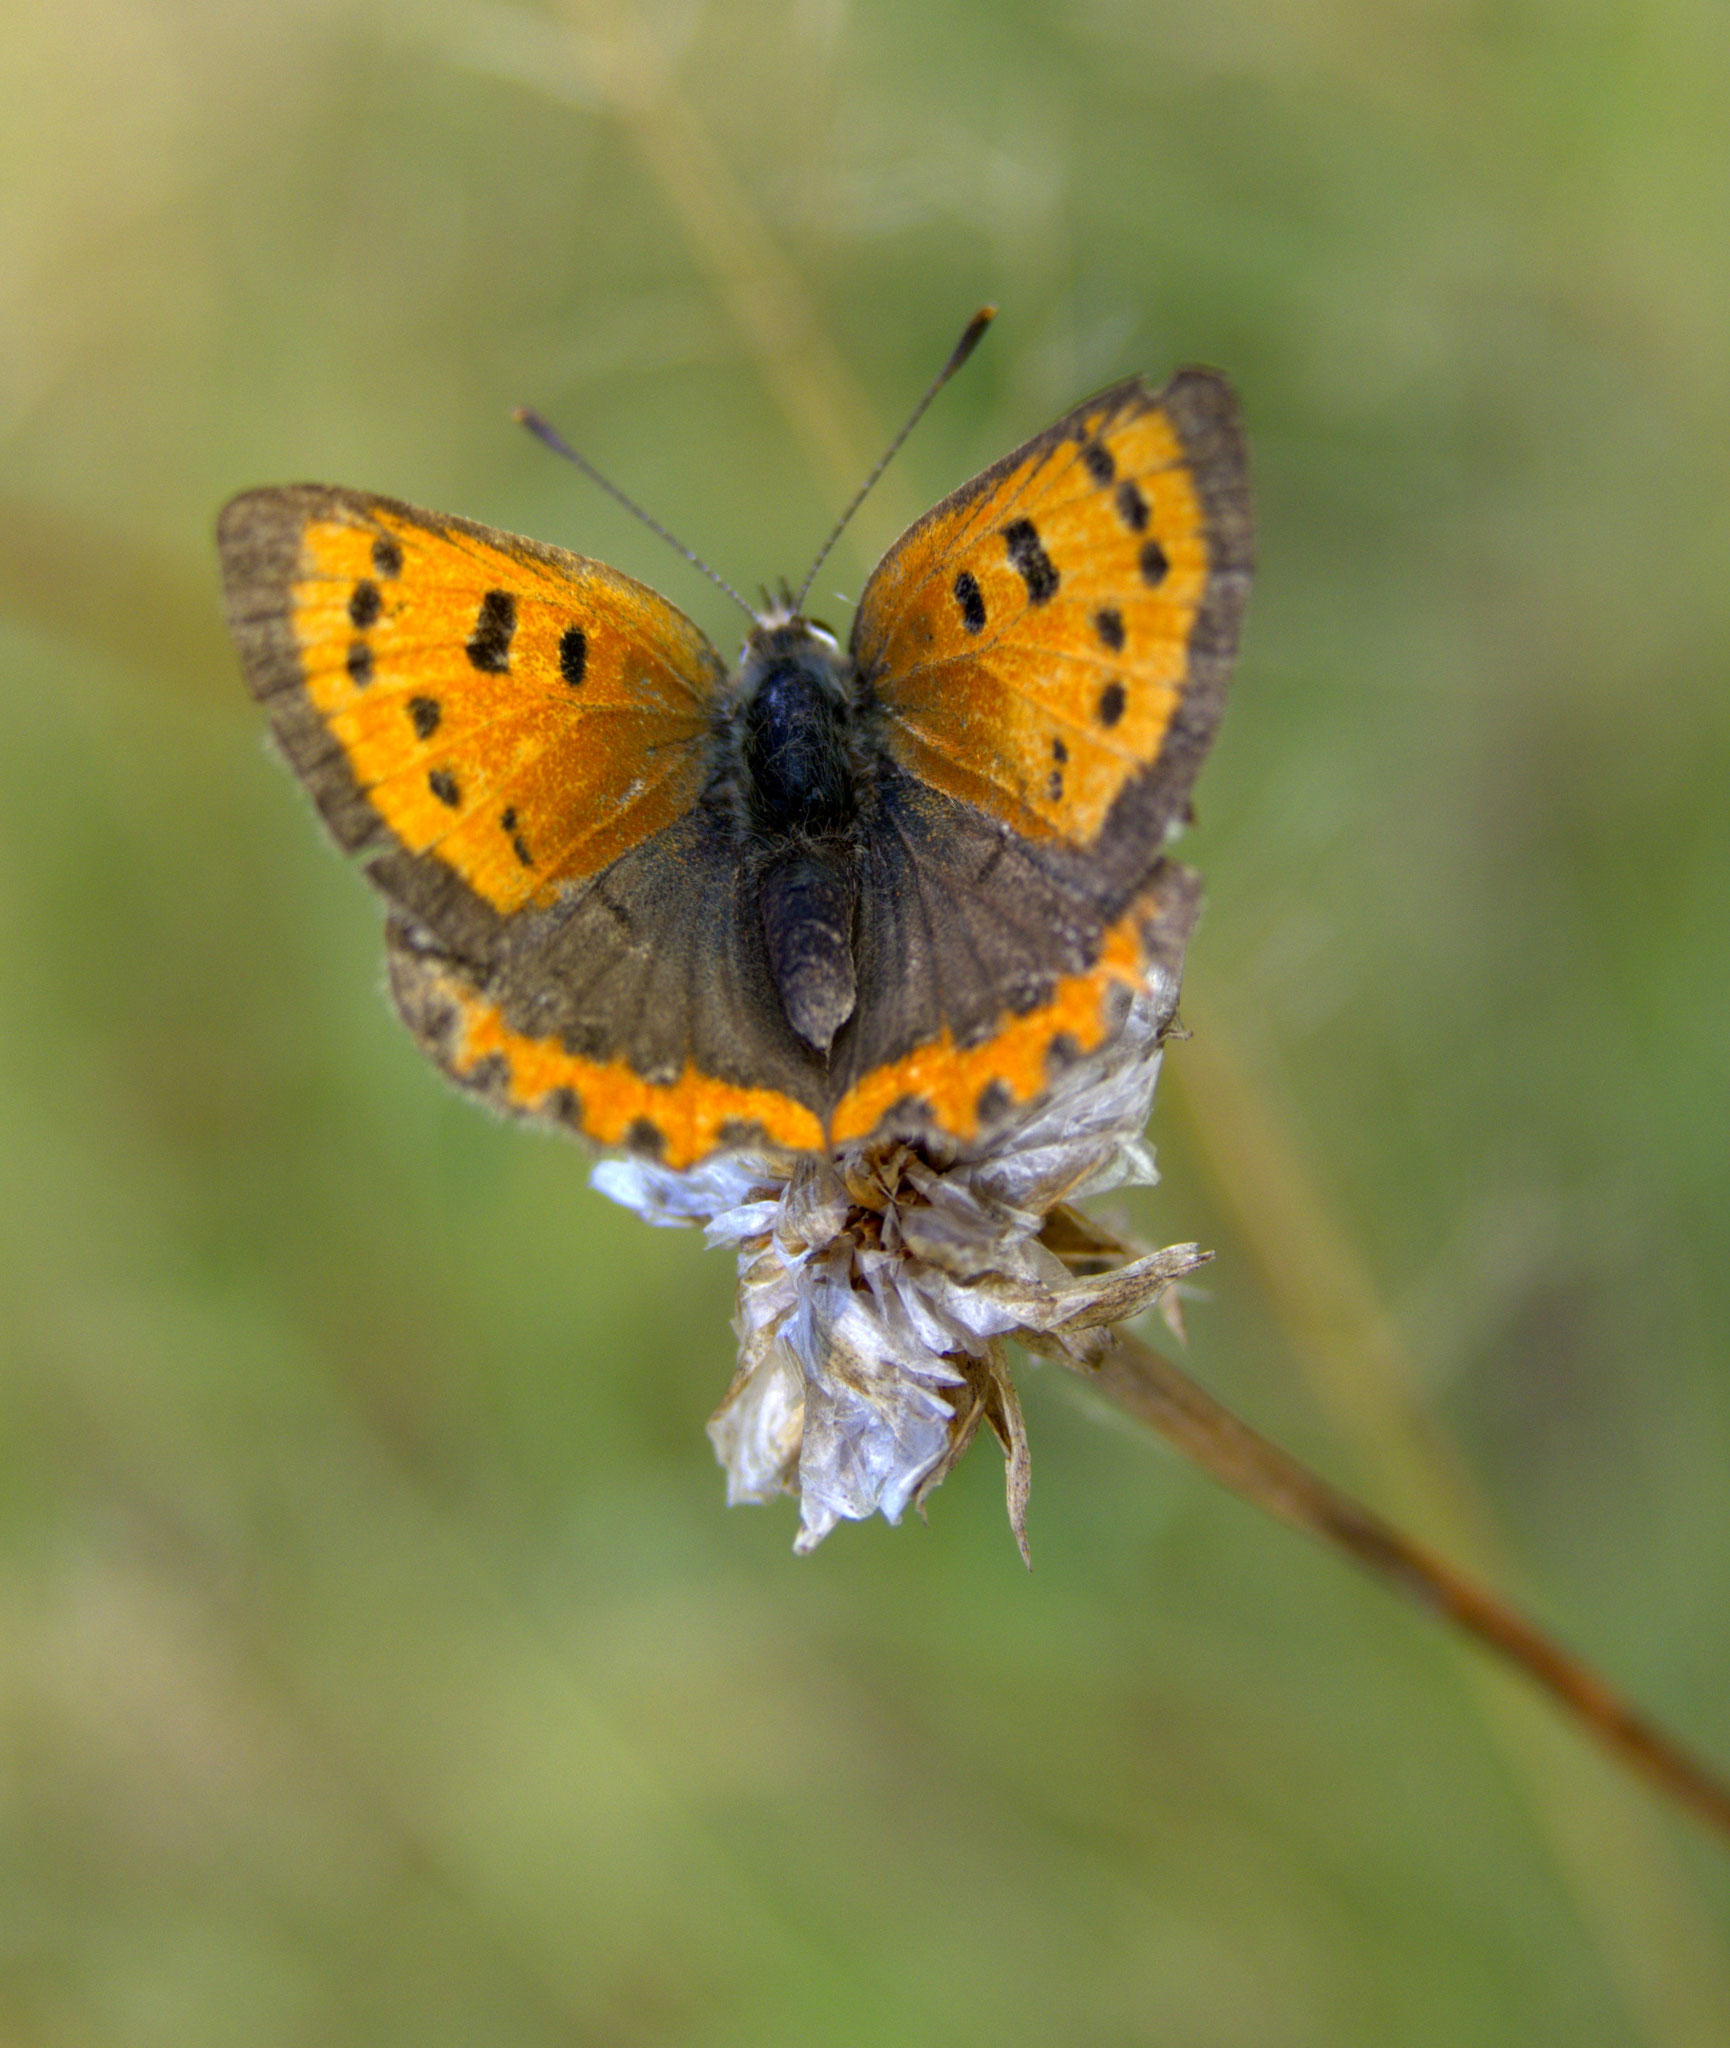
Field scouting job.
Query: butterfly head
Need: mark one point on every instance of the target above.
(780, 616)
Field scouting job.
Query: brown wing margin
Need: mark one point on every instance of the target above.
(258, 537)
(1203, 408)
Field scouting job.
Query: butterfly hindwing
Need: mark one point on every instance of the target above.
(637, 1010)
(1051, 643)
(483, 718)
(987, 962)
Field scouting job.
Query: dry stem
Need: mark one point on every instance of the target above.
(1158, 1393)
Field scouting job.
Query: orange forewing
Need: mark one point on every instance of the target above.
(1030, 637)
(474, 745)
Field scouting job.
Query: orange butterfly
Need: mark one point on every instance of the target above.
(822, 896)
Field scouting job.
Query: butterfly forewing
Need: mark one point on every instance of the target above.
(1051, 642)
(491, 707)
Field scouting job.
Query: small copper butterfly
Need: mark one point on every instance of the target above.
(824, 895)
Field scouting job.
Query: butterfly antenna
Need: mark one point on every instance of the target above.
(958, 355)
(560, 446)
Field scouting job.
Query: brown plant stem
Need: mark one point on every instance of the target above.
(1155, 1391)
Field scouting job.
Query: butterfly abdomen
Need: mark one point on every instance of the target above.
(809, 898)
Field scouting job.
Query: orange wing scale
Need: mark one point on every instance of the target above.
(474, 743)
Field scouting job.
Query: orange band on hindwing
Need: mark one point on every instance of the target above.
(678, 1122)
(953, 1084)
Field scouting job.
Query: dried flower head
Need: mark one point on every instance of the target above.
(880, 1288)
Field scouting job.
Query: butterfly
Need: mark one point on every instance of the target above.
(828, 894)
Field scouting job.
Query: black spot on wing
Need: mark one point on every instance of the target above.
(489, 646)
(1028, 558)
(1154, 563)
(426, 714)
(1108, 624)
(995, 1102)
(1111, 702)
(491, 1076)
(386, 557)
(969, 598)
(443, 785)
(565, 1105)
(646, 1138)
(1131, 506)
(573, 655)
(364, 605)
(1100, 465)
(519, 845)
(359, 664)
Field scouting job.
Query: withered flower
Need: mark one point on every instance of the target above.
(880, 1289)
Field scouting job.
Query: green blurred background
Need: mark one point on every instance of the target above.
(378, 1662)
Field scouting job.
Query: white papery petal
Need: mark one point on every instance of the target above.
(873, 1425)
(757, 1430)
